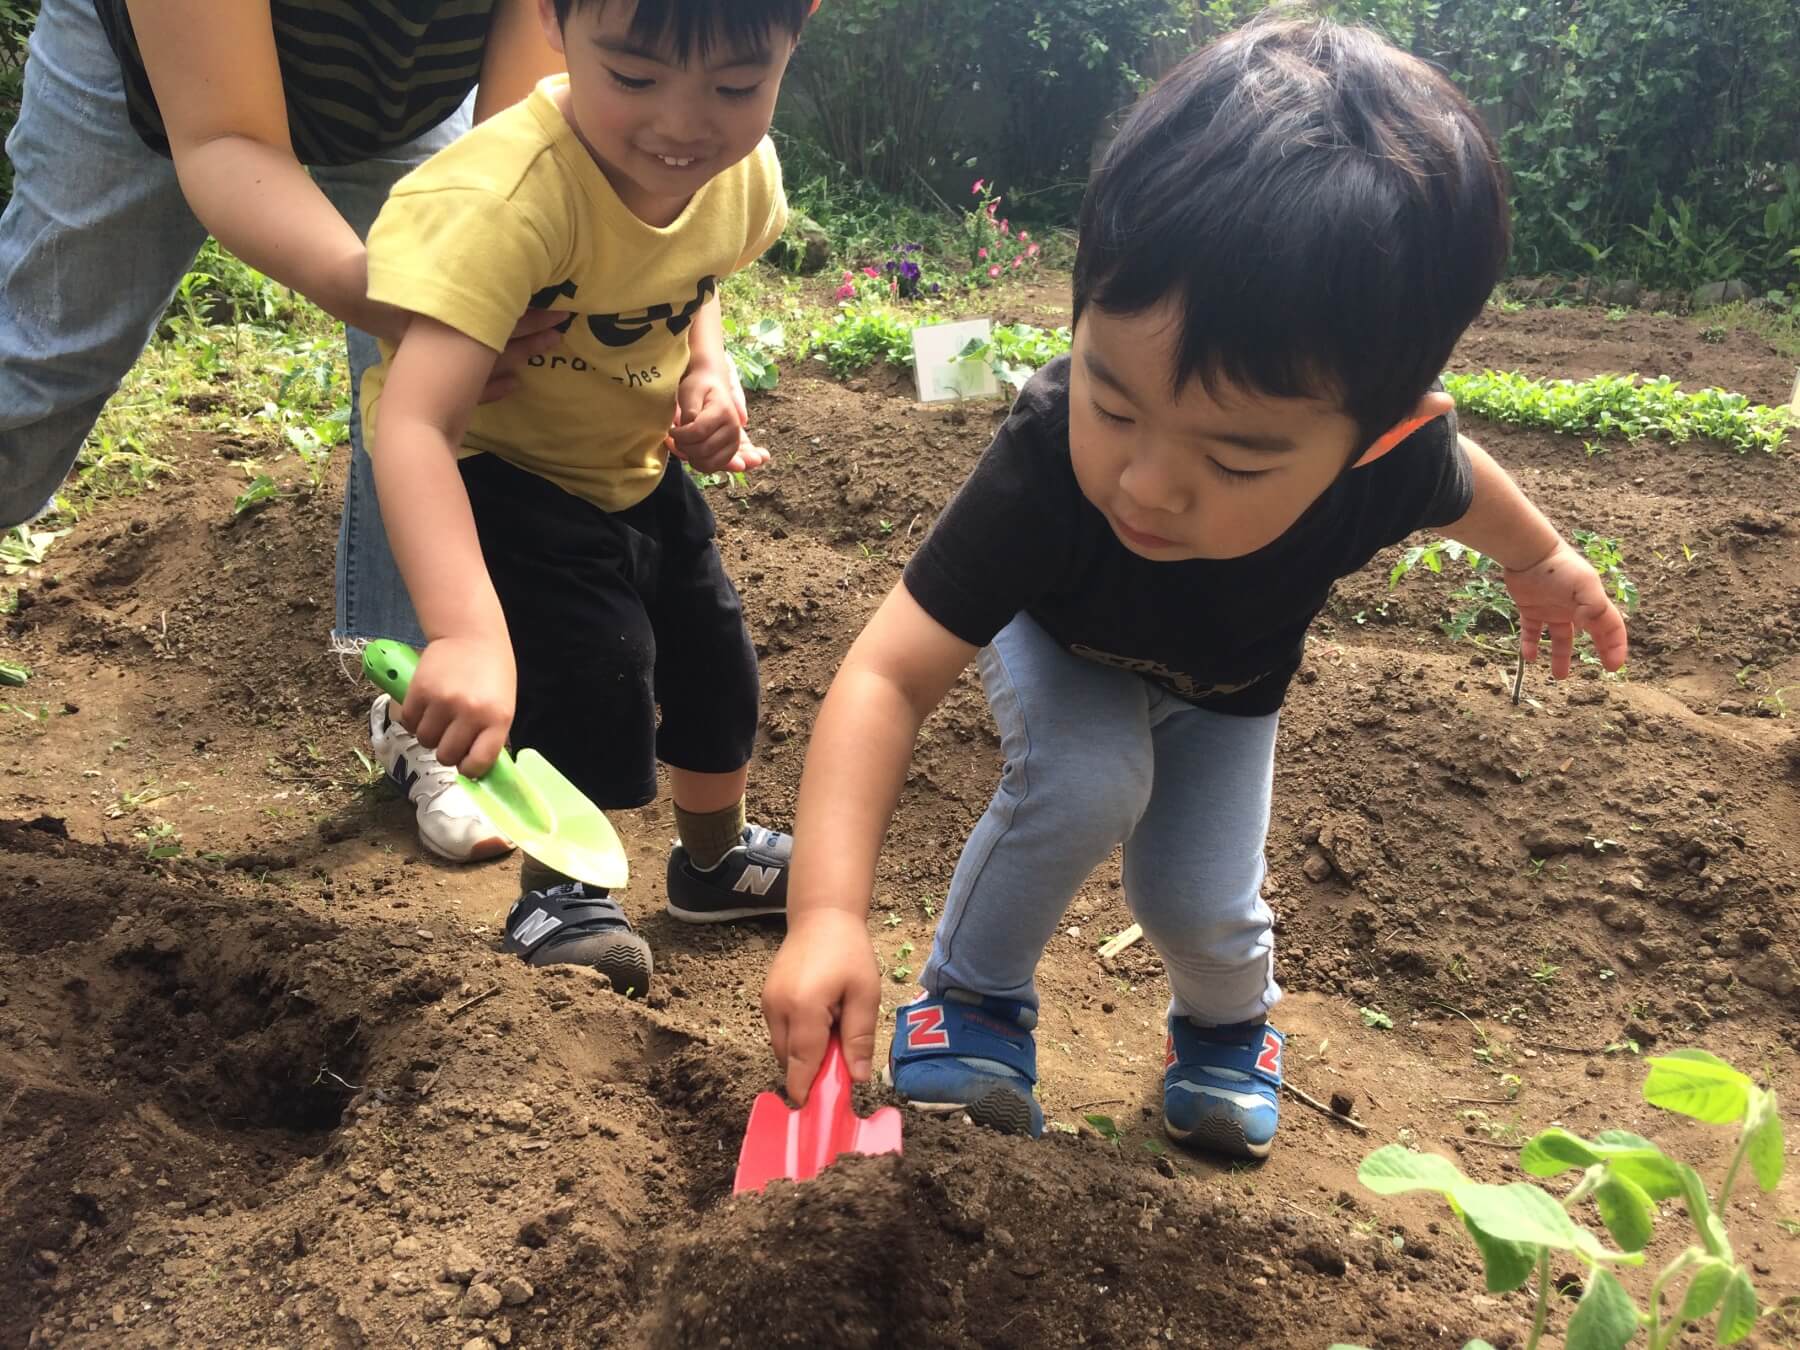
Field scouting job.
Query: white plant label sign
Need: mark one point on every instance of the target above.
(942, 377)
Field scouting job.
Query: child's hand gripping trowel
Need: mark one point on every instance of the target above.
(798, 1145)
(528, 800)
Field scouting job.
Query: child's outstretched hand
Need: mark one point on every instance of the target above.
(1564, 594)
(460, 702)
(824, 975)
(710, 419)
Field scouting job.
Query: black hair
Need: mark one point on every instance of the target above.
(1327, 212)
(691, 28)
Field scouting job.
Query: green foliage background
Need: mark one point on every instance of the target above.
(1655, 139)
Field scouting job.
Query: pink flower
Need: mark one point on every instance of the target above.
(994, 271)
(1018, 262)
(849, 276)
(981, 252)
(1023, 235)
(1031, 252)
(846, 291)
(894, 287)
(871, 272)
(993, 206)
(980, 183)
(1005, 228)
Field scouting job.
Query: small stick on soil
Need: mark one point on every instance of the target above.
(1109, 1101)
(1483, 1101)
(1325, 1109)
(1567, 1049)
(1519, 678)
(1120, 941)
(462, 1008)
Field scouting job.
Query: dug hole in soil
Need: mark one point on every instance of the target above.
(266, 1079)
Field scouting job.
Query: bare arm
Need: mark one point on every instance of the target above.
(897, 671)
(1554, 587)
(1501, 521)
(461, 699)
(517, 57)
(218, 83)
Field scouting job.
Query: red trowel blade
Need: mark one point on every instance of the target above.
(798, 1145)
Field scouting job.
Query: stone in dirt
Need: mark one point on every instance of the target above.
(515, 1290)
(460, 1264)
(482, 1300)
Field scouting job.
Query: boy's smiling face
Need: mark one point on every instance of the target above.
(659, 126)
(1197, 475)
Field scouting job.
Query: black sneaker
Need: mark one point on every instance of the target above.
(750, 880)
(579, 925)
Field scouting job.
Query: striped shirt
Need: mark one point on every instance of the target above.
(360, 76)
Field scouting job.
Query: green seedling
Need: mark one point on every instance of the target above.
(160, 841)
(1621, 406)
(753, 349)
(1608, 561)
(1625, 1177)
(262, 490)
(1104, 1126)
(13, 675)
(1376, 1019)
(1545, 972)
(22, 548)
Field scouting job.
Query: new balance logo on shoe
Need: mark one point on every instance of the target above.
(537, 927)
(925, 1029)
(758, 880)
(1269, 1061)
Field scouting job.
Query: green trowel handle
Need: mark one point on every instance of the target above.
(391, 665)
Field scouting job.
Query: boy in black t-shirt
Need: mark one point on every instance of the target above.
(1276, 256)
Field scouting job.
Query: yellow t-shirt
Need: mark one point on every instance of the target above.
(516, 213)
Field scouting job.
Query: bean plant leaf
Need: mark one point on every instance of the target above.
(1695, 1084)
(1763, 1140)
(1705, 1288)
(1737, 1314)
(1507, 1264)
(1524, 1213)
(1605, 1319)
(1395, 1169)
(1626, 1211)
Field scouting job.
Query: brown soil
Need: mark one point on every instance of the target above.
(281, 1089)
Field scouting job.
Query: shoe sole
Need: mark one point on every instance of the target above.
(624, 959)
(1001, 1110)
(722, 915)
(1216, 1134)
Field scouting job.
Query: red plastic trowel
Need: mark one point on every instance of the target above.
(798, 1145)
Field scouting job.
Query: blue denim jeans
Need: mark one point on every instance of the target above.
(93, 244)
(1096, 757)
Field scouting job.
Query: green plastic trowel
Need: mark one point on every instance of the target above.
(526, 798)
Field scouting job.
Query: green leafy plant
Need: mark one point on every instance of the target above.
(13, 675)
(861, 334)
(1621, 405)
(1608, 561)
(753, 349)
(1624, 1177)
(1376, 1019)
(22, 548)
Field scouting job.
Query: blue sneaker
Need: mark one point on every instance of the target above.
(963, 1052)
(1222, 1087)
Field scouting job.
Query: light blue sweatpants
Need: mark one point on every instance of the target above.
(1096, 757)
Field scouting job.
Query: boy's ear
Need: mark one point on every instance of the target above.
(552, 29)
(1431, 407)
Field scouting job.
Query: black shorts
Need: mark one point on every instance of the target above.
(613, 614)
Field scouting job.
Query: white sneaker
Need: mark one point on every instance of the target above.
(450, 824)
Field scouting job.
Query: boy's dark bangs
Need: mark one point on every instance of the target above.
(1310, 298)
(696, 29)
(1350, 225)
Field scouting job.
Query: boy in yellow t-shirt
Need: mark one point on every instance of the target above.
(563, 568)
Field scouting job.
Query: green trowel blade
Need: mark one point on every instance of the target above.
(526, 798)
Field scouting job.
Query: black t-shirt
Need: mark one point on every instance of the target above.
(359, 79)
(1224, 635)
